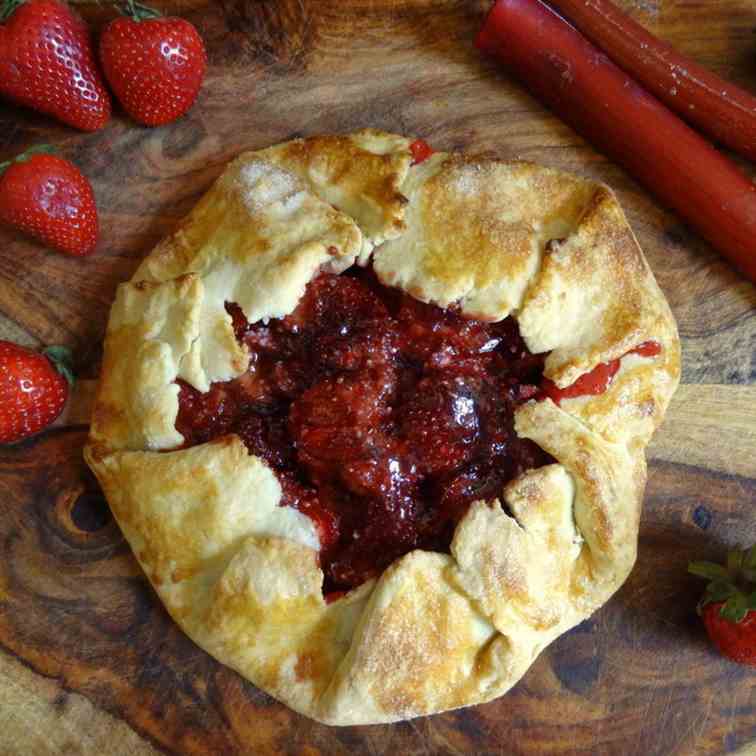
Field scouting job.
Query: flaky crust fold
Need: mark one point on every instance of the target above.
(240, 573)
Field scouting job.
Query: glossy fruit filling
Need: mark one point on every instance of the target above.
(383, 417)
(595, 381)
(420, 150)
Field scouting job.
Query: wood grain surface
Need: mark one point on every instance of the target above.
(90, 662)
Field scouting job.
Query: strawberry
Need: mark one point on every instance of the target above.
(48, 198)
(154, 65)
(47, 63)
(33, 389)
(728, 607)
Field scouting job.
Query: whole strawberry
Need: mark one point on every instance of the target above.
(48, 198)
(154, 65)
(47, 63)
(33, 389)
(728, 607)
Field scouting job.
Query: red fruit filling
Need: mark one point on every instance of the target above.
(420, 150)
(597, 380)
(383, 417)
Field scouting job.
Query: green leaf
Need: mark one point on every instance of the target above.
(62, 360)
(749, 573)
(734, 561)
(37, 149)
(719, 590)
(752, 601)
(750, 558)
(735, 608)
(137, 11)
(708, 570)
(7, 9)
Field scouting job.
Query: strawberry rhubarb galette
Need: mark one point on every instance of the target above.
(373, 419)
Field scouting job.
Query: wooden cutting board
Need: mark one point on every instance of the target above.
(89, 661)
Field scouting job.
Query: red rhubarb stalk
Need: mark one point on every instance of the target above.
(611, 110)
(722, 110)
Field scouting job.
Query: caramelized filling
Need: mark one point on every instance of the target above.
(383, 417)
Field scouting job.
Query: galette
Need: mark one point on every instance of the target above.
(373, 419)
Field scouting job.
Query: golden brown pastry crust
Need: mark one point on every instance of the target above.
(477, 229)
(240, 573)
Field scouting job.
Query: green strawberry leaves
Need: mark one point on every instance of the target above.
(37, 149)
(720, 590)
(62, 361)
(709, 570)
(137, 11)
(734, 585)
(748, 569)
(736, 608)
(7, 8)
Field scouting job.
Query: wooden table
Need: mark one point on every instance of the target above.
(90, 662)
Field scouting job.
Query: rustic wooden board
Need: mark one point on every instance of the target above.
(90, 662)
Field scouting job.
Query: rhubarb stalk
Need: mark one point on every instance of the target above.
(579, 83)
(722, 110)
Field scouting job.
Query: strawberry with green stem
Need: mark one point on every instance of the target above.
(48, 198)
(154, 64)
(34, 388)
(47, 63)
(728, 606)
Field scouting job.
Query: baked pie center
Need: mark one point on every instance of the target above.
(383, 417)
